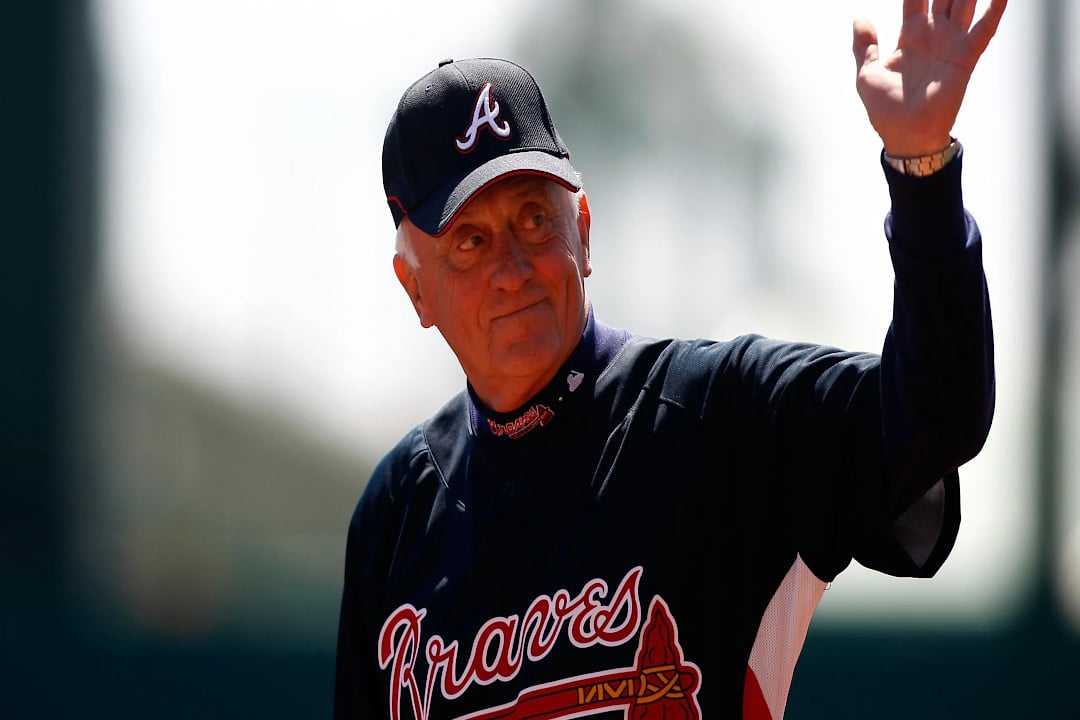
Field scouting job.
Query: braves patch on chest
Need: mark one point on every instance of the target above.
(660, 682)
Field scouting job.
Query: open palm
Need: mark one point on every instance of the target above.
(912, 96)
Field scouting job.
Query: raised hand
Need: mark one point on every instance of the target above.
(912, 95)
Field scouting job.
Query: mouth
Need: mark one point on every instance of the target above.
(506, 314)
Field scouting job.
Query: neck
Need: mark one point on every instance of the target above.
(507, 400)
(550, 403)
(505, 393)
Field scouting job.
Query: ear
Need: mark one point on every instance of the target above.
(406, 275)
(584, 222)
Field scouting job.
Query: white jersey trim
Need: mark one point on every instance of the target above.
(782, 632)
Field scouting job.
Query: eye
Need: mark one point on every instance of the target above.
(533, 219)
(469, 243)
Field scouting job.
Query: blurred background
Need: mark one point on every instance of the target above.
(206, 349)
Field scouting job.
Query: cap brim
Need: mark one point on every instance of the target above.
(440, 208)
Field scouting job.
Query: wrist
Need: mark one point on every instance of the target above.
(923, 165)
(914, 144)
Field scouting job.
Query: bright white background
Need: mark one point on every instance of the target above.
(247, 241)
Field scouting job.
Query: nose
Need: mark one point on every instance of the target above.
(512, 265)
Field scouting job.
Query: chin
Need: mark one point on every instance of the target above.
(527, 359)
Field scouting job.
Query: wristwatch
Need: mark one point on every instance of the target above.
(925, 164)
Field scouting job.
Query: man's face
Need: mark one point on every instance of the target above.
(505, 285)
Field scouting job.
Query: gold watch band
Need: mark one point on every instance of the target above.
(925, 164)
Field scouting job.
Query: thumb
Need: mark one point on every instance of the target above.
(864, 43)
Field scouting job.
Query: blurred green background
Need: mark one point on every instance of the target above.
(206, 352)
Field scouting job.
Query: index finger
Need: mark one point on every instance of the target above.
(984, 29)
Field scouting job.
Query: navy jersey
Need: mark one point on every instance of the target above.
(649, 536)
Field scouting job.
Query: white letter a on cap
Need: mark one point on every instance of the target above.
(484, 114)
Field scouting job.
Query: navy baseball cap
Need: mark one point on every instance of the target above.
(462, 127)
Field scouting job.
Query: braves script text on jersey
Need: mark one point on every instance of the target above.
(650, 535)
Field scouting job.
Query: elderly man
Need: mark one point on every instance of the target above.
(607, 524)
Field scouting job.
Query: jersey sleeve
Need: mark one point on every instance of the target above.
(358, 691)
(937, 368)
(861, 451)
(936, 376)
